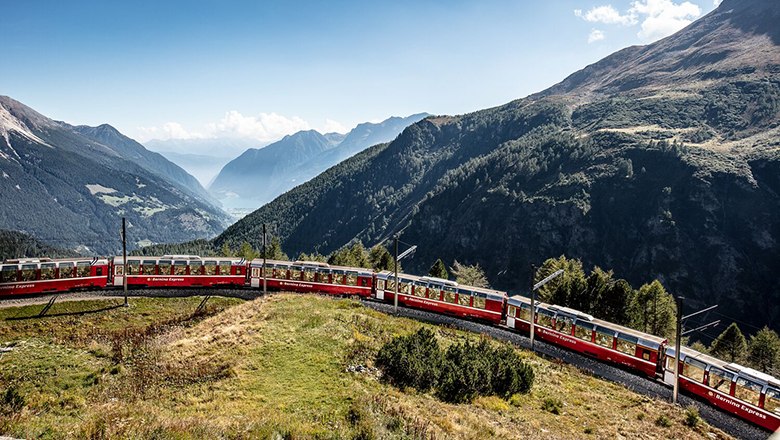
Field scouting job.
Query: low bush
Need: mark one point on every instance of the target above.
(460, 374)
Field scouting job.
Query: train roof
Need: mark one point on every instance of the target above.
(742, 371)
(516, 300)
(258, 262)
(91, 260)
(233, 260)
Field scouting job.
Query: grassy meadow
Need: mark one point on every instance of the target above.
(275, 367)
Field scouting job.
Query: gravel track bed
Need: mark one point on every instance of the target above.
(719, 419)
(724, 421)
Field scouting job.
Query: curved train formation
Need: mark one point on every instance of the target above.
(749, 394)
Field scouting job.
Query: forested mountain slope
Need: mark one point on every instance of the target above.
(70, 186)
(661, 161)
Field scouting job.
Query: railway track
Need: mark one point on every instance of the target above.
(647, 387)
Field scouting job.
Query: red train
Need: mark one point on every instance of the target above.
(749, 394)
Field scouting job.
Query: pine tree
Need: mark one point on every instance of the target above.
(274, 250)
(469, 275)
(439, 270)
(225, 251)
(381, 259)
(246, 252)
(654, 310)
(764, 351)
(730, 345)
(565, 287)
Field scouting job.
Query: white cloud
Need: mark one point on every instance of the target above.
(595, 35)
(263, 127)
(605, 14)
(169, 130)
(663, 17)
(656, 18)
(332, 126)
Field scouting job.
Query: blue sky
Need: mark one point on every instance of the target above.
(262, 69)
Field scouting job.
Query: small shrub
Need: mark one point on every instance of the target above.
(411, 361)
(13, 400)
(692, 418)
(552, 405)
(640, 416)
(588, 430)
(663, 421)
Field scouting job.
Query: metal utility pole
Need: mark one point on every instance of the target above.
(265, 284)
(549, 278)
(678, 340)
(395, 283)
(678, 336)
(124, 259)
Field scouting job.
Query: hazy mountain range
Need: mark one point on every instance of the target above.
(259, 175)
(659, 161)
(69, 186)
(203, 158)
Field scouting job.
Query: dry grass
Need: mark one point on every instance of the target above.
(276, 367)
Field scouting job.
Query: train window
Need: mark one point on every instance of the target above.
(510, 311)
(29, 272)
(8, 274)
(224, 267)
(295, 273)
(434, 293)
(694, 369)
(479, 302)
(47, 271)
(583, 330)
(268, 271)
(748, 391)
(255, 272)
(351, 278)
(68, 271)
(604, 336)
(308, 275)
(449, 296)
(323, 277)
(419, 291)
(380, 284)
(196, 267)
(525, 312)
(180, 267)
(544, 318)
(403, 288)
(82, 267)
(133, 267)
(564, 324)
(720, 380)
(209, 268)
(239, 270)
(148, 267)
(626, 344)
(772, 400)
(164, 267)
(464, 298)
(337, 278)
(365, 282)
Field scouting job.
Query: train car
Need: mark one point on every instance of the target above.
(442, 296)
(44, 275)
(593, 337)
(180, 271)
(747, 393)
(311, 276)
